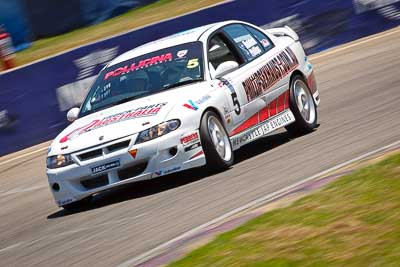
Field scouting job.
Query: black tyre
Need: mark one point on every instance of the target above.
(216, 143)
(303, 107)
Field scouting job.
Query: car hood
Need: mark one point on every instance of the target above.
(123, 120)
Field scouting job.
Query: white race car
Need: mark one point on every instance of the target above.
(181, 102)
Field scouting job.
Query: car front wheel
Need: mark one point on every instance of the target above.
(215, 141)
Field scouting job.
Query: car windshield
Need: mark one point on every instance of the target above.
(145, 75)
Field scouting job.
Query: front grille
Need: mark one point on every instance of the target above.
(95, 182)
(91, 154)
(132, 171)
(99, 152)
(118, 146)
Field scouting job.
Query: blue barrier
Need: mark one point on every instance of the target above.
(49, 17)
(38, 96)
(93, 12)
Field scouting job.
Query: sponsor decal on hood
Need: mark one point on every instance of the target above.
(145, 111)
(193, 105)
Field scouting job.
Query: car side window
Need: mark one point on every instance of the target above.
(220, 51)
(262, 38)
(245, 41)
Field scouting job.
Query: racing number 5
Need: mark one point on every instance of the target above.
(193, 63)
(235, 99)
(236, 103)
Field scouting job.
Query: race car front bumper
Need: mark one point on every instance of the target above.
(120, 162)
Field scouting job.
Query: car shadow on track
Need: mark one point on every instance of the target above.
(157, 185)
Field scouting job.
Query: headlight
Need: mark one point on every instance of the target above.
(157, 131)
(59, 161)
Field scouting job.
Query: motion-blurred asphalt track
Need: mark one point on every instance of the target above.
(360, 112)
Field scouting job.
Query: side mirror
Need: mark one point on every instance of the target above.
(225, 68)
(72, 114)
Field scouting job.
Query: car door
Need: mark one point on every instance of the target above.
(221, 50)
(267, 83)
(261, 89)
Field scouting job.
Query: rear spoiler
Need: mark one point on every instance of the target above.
(284, 31)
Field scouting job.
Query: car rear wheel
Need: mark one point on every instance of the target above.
(215, 142)
(303, 107)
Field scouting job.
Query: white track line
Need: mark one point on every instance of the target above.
(23, 156)
(10, 247)
(107, 225)
(324, 54)
(251, 205)
(22, 190)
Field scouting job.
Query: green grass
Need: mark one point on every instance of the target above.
(354, 221)
(160, 10)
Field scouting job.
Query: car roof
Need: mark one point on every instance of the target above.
(186, 36)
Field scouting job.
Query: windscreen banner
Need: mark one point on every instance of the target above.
(34, 99)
